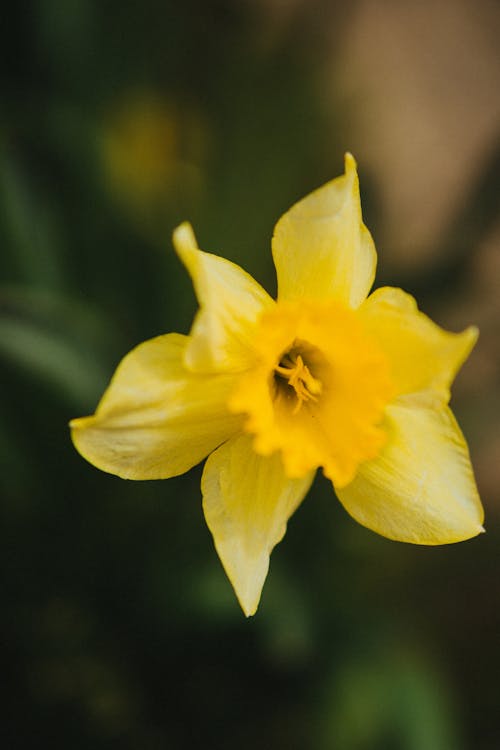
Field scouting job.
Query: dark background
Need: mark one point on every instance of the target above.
(119, 120)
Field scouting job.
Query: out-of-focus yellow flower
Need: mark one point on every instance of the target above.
(271, 391)
(151, 151)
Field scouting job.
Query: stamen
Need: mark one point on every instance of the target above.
(306, 387)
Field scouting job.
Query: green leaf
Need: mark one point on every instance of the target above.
(58, 342)
(30, 227)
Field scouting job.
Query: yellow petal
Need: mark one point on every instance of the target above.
(421, 487)
(230, 303)
(247, 500)
(423, 356)
(321, 248)
(156, 419)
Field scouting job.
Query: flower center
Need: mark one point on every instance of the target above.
(297, 375)
(318, 390)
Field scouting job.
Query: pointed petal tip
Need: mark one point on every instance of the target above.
(472, 534)
(248, 611)
(350, 163)
(248, 592)
(183, 238)
(473, 334)
(351, 176)
(474, 531)
(78, 422)
(248, 600)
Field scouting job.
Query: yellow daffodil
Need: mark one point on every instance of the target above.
(151, 150)
(324, 377)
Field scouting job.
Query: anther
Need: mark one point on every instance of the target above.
(306, 387)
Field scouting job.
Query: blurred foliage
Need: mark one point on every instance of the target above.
(119, 628)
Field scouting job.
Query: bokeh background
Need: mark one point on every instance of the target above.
(119, 120)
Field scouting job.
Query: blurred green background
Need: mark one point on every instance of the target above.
(119, 120)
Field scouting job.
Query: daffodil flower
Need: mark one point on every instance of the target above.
(325, 377)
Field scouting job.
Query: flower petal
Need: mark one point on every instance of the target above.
(321, 248)
(230, 303)
(423, 356)
(156, 419)
(420, 488)
(247, 500)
